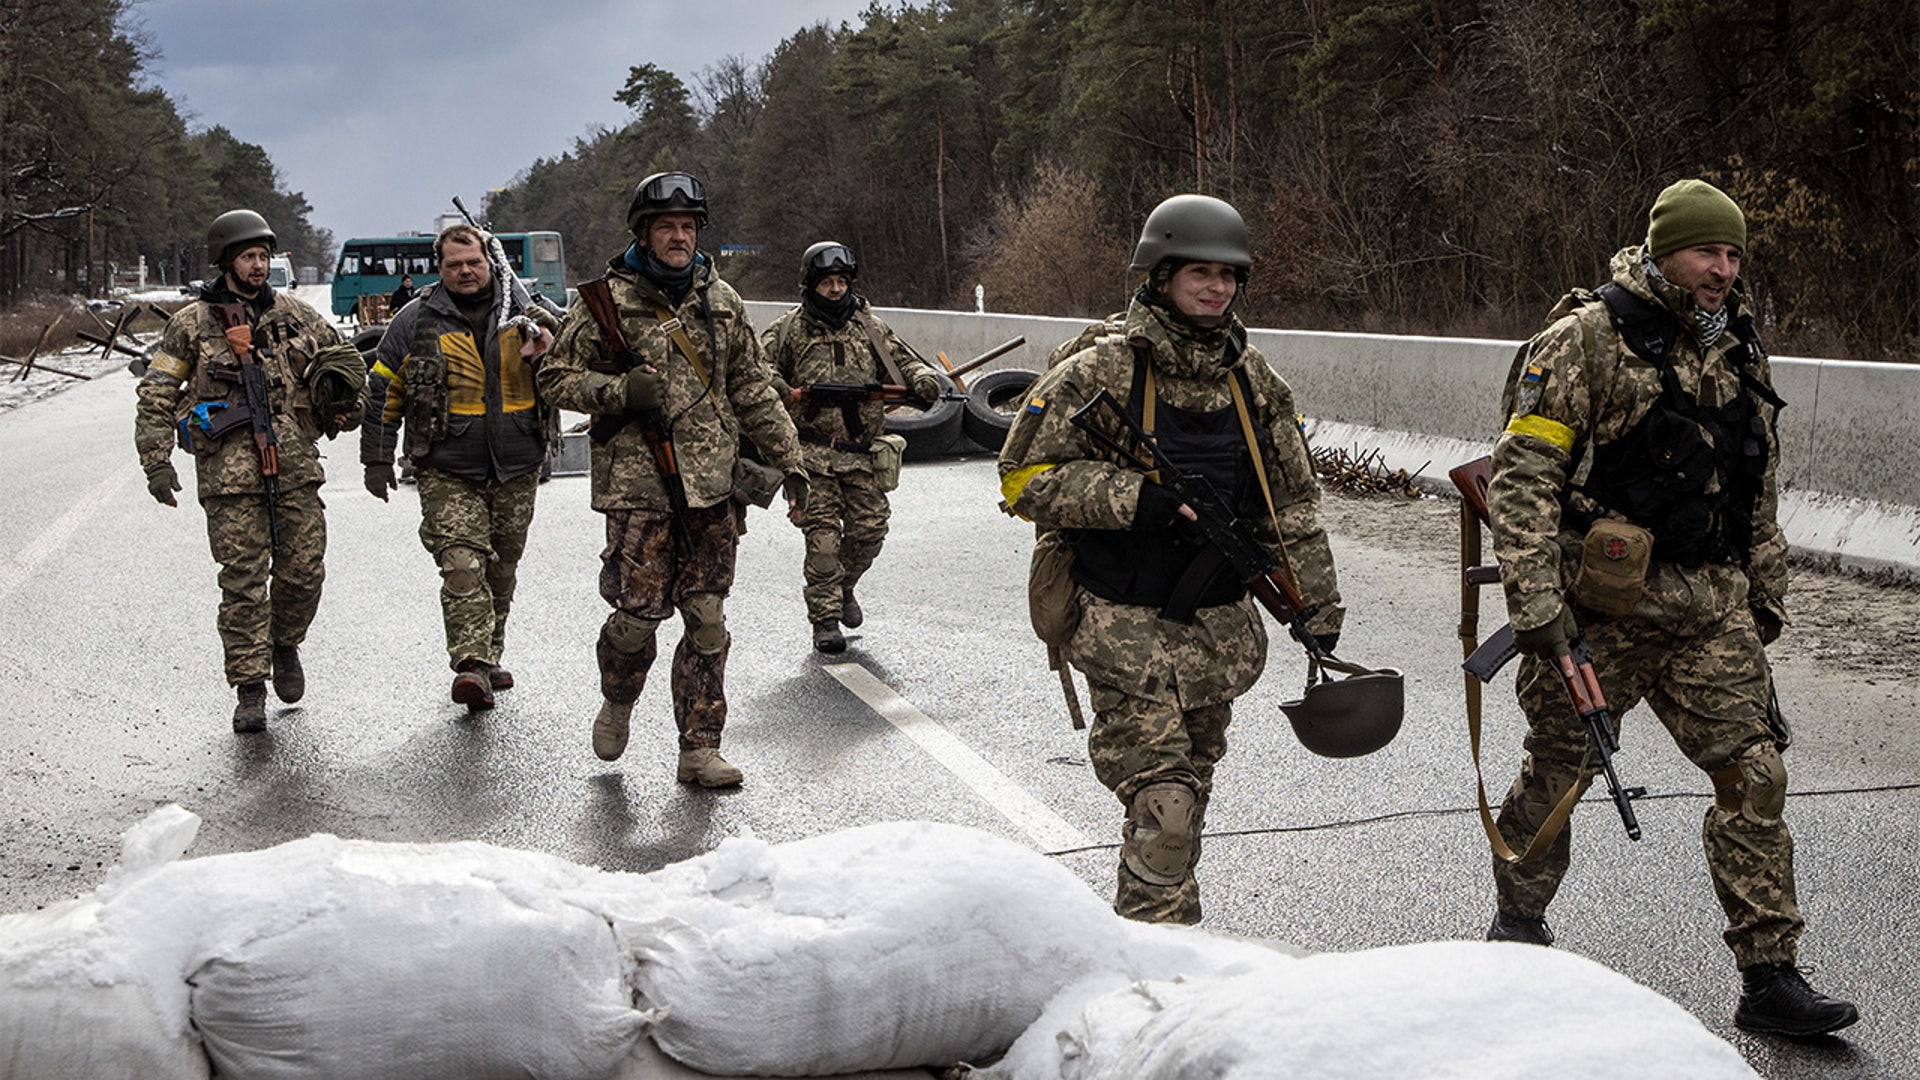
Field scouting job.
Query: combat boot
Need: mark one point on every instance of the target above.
(289, 681)
(499, 678)
(250, 715)
(610, 730)
(1515, 928)
(1776, 998)
(471, 688)
(827, 637)
(703, 765)
(850, 614)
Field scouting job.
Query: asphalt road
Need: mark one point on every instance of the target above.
(112, 702)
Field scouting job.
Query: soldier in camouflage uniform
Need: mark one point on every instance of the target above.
(192, 392)
(702, 371)
(477, 433)
(1162, 691)
(1633, 503)
(833, 336)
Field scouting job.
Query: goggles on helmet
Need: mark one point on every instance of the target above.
(663, 190)
(834, 259)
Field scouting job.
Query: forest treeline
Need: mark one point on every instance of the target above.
(97, 166)
(1426, 166)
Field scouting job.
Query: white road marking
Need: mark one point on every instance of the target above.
(1048, 830)
(17, 569)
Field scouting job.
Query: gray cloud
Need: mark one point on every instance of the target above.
(381, 111)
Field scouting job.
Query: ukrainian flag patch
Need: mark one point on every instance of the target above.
(1036, 406)
(1534, 373)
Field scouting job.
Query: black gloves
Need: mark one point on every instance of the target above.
(1550, 640)
(1158, 508)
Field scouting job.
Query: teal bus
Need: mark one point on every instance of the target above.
(373, 265)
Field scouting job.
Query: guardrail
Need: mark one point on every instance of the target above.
(1850, 434)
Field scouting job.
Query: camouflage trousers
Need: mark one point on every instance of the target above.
(645, 578)
(846, 522)
(268, 596)
(1710, 692)
(1137, 741)
(476, 530)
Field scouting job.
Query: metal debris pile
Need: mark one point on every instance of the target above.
(1363, 474)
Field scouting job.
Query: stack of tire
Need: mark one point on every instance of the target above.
(977, 425)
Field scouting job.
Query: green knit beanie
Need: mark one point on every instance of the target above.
(1693, 212)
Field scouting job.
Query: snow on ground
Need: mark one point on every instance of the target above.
(884, 947)
(87, 360)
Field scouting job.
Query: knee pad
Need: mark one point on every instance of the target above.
(1753, 785)
(1161, 839)
(706, 622)
(823, 553)
(629, 633)
(462, 570)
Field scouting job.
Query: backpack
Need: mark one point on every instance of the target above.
(1053, 597)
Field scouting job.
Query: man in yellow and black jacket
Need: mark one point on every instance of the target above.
(477, 431)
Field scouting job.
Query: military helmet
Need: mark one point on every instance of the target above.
(1350, 717)
(1194, 228)
(827, 257)
(667, 193)
(237, 227)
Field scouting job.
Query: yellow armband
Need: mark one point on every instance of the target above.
(1548, 431)
(1015, 483)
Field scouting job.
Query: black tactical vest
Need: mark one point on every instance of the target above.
(1690, 474)
(1129, 567)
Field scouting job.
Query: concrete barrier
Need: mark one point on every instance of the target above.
(1849, 435)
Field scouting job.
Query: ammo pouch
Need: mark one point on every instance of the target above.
(1053, 597)
(1614, 559)
(887, 451)
(424, 381)
(755, 483)
(207, 422)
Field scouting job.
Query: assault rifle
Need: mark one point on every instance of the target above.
(519, 300)
(1575, 666)
(253, 381)
(853, 393)
(1229, 540)
(616, 357)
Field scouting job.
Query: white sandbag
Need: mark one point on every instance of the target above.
(884, 947)
(81, 1001)
(425, 961)
(68, 1009)
(1438, 1010)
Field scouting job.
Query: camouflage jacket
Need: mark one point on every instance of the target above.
(194, 365)
(1577, 385)
(1054, 475)
(804, 351)
(705, 420)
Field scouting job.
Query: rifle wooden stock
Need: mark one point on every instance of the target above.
(253, 380)
(616, 357)
(1473, 479)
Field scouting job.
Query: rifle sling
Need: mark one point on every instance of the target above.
(880, 349)
(1469, 634)
(673, 329)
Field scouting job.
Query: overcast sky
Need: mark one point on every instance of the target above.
(382, 110)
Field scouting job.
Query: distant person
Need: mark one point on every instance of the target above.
(833, 336)
(401, 296)
(671, 535)
(1667, 559)
(476, 445)
(1163, 690)
(195, 391)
